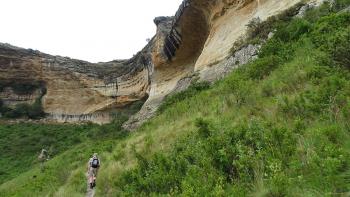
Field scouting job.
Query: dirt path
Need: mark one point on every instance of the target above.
(89, 192)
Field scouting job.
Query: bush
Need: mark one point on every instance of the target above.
(33, 111)
(21, 110)
(327, 31)
(332, 35)
(240, 87)
(340, 53)
(263, 67)
(36, 110)
(294, 30)
(328, 98)
(203, 127)
(278, 48)
(314, 15)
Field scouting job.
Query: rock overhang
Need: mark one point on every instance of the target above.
(194, 40)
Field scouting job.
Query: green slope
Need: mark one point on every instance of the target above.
(278, 126)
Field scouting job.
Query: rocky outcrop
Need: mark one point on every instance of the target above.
(224, 67)
(10, 98)
(197, 41)
(75, 89)
(310, 5)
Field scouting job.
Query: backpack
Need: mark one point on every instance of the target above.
(95, 163)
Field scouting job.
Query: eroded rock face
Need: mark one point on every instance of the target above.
(76, 90)
(11, 98)
(198, 39)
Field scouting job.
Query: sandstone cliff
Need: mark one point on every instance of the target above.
(196, 41)
(75, 90)
(199, 42)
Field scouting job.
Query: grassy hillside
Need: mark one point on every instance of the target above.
(278, 126)
(21, 143)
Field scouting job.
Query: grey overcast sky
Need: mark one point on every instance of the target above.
(92, 30)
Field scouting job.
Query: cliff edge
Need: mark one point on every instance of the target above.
(196, 42)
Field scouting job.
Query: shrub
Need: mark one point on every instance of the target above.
(340, 52)
(294, 30)
(36, 111)
(33, 111)
(328, 98)
(21, 110)
(330, 34)
(330, 30)
(276, 47)
(262, 67)
(240, 87)
(314, 15)
(203, 127)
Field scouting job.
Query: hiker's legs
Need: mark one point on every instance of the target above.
(91, 177)
(94, 170)
(42, 167)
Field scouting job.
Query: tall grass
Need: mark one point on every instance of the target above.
(278, 126)
(275, 127)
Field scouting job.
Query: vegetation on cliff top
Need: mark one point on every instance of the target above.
(275, 127)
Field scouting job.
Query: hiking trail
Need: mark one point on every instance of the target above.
(89, 192)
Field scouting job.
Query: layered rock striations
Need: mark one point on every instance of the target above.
(75, 90)
(197, 41)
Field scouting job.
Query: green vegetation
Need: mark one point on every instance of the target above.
(191, 91)
(258, 31)
(33, 111)
(291, 140)
(21, 88)
(22, 143)
(278, 126)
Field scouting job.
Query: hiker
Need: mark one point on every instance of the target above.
(93, 166)
(44, 156)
